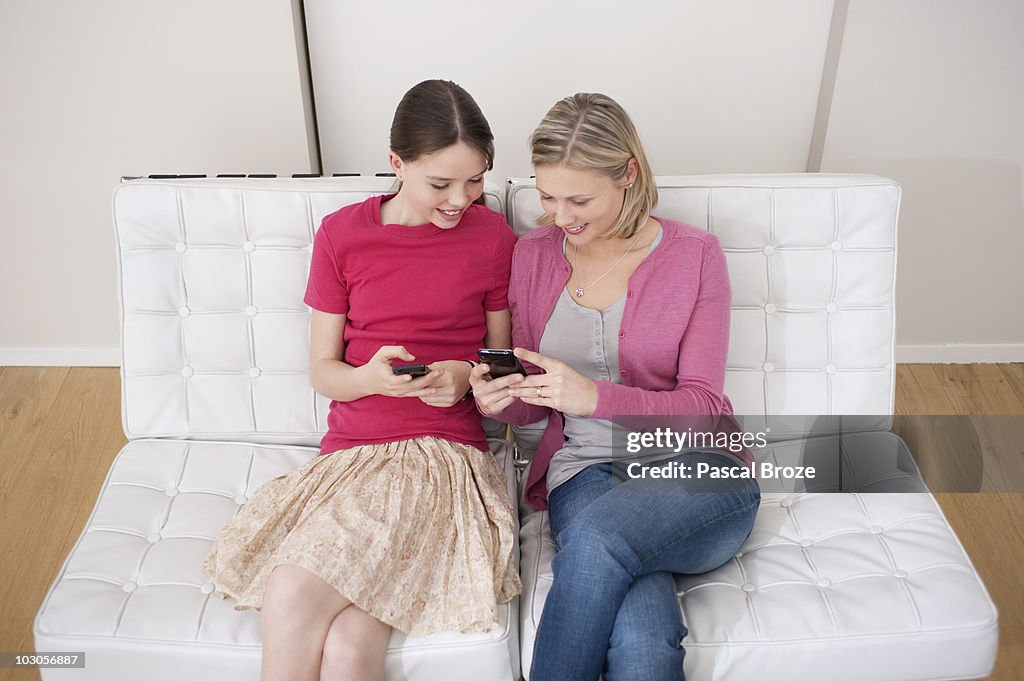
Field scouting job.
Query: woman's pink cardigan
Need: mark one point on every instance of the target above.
(673, 339)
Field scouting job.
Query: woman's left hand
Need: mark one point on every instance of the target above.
(559, 387)
(452, 382)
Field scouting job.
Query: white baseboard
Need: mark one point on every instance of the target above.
(966, 353)
(60, 357)
(905, 354)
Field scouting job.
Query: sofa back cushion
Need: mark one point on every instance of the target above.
(214, 331)
(812, 262)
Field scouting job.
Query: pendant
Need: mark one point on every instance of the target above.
(579, 293)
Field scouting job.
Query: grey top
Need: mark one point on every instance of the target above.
(588, 341)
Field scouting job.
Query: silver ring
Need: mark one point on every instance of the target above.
(539, 395)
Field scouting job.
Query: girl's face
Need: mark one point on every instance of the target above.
(438, 187)
(584, 203)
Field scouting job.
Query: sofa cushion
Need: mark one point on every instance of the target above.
(132, 594)
(844, 586)
(215, 333)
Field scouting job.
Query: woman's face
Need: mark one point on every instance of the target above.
(584, 203)
(439, 186)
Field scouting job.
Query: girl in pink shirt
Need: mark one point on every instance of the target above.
(403, 521)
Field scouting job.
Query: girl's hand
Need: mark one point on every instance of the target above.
(450, 382)
(559, 387)
(377, 377)
(492, 395)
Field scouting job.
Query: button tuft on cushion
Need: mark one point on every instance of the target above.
(153, 538)
(240, 499)
(768, 367)
(824, 581)
(172, 492)
(769, 308)
(252, 310)
(180, 247)
(806, 543)
(749, 587)
(830, 368)
(184, 311)
(207, 588)
(187, 372)
(837, 246)
(786, 503)
(831, 308)
(254, 372)
(876, 529)
(768, 250)
(130, 587)
(900, 574)
(249, 246)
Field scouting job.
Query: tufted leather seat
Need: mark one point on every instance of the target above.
(866, 582)
(216, 399)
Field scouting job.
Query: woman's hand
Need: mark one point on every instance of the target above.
(450, 383)
(377, 378)
(492, 395)
(559, 387)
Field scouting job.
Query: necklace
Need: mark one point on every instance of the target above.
(580, 290)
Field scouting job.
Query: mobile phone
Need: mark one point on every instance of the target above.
(414, 370)
(501, 362)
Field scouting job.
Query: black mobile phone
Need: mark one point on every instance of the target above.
(502, 362)
(414, 370)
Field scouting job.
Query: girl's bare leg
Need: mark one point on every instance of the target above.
(355, 647)
(298, 609)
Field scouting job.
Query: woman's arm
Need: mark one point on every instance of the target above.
(700, 365)
(703, 350)
(495, 398)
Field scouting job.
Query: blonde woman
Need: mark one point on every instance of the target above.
(622, 313)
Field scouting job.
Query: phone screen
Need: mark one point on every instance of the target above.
(501, 361)
(414, 370)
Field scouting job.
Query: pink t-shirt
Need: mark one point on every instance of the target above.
(422, 287)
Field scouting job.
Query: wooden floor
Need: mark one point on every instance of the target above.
(60, 429)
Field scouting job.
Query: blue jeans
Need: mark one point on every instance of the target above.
(612, 607)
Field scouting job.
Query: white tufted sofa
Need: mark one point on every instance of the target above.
(216, 400)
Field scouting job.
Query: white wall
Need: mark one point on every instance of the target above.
(925, 91)
(929, 92)
(96, 90)
(726, 86)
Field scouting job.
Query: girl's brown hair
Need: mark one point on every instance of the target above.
(436, 114)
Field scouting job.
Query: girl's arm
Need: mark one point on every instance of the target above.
(337, 380)
(455, 384)
(499, 329)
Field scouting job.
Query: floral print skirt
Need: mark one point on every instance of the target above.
(418, 533)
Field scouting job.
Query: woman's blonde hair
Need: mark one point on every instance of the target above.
(590, 131)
